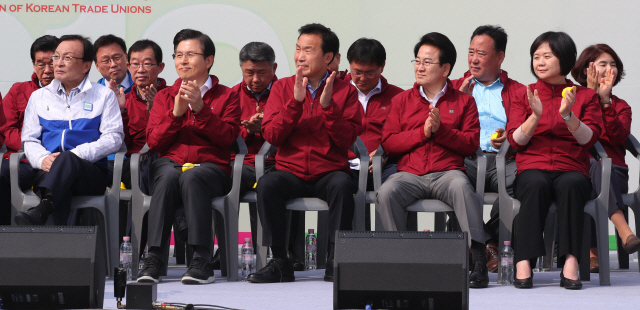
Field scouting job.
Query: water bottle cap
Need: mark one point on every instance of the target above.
(125, 238)
(311, 230)
(507, 243)
(247, 240)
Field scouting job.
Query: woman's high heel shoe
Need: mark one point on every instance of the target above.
(568, 283)
(632, 244)
(522, 283)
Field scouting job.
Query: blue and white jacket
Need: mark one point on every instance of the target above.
(87, 123)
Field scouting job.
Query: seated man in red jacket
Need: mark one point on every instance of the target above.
(367, 58)
(14, 105)
(431, 129)
(313, 118)
(194, 121)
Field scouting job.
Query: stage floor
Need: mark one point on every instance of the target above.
(311, 292)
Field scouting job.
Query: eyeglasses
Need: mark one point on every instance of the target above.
(115, 59)
(368, 74)
(41, 65)
(425, 63)
(147, 66)
(65, 58)
(188, 55)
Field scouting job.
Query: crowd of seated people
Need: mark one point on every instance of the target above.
(68, 126)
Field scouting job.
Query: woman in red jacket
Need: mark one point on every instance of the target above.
(552, 134)
(600, 69)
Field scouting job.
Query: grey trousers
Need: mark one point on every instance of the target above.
(451, 187)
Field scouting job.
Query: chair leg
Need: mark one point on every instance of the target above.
(623, 256)
(549, 242)
(602, 232)
(261, 251)
(585, 274)
(323, 238)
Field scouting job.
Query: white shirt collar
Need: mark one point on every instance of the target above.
(207, 85)
(437, 97)
(364, 99)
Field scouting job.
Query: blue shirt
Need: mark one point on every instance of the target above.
(264, 92)
(490, 110)
(127, 83)
(315, 91)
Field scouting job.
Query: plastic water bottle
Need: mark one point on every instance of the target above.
(126, 253)
(248, 265)
(311, 251)
(506, 263)
(269, 255)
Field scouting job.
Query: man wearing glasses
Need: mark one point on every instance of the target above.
(366, 60)
(431, 129)
(492, 90)
(195, 121)
(111, 61)
(14, 105)
(70, 126)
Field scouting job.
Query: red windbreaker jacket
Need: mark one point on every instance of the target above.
(552, 146)
(136, 118)
(617, 125)
(312, 140)
(248, 104)
(200, 137)
(378, 108)
(14, 104)
(457, 137)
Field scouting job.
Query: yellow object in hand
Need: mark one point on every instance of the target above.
(122, 185)
(566, 89)
(495, 135)
(187, 166)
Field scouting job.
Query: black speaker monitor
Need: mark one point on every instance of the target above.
(401, 270)
(51, 267)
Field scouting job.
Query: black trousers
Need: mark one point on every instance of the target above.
(275, 188)
(536, 190)
(70, 176)
(193, 189)
(25, 180)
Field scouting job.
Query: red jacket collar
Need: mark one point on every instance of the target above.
(243, 85)
(448, 92)
(173, 90)
(162, 84)
(547, 90)
(503, 76)
(383, 82)
(34, 79)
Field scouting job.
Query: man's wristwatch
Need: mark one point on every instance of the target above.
(568, 117)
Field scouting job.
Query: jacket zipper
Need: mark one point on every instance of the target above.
(64, 131)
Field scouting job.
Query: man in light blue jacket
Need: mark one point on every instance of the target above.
(70, 127)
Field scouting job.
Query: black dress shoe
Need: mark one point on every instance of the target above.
(479, 277)
(297, 265)
(568, 283)
(30, 218)
(328, 272)
(277, 270)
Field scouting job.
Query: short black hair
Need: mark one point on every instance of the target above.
(87, 47)
(142, 45)
(46, 43)
(562, 46)
(257, 52)
(366, 51)
(496, 33)
(206, 44)
(106, 40)
(330, 41)
(447, 53)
